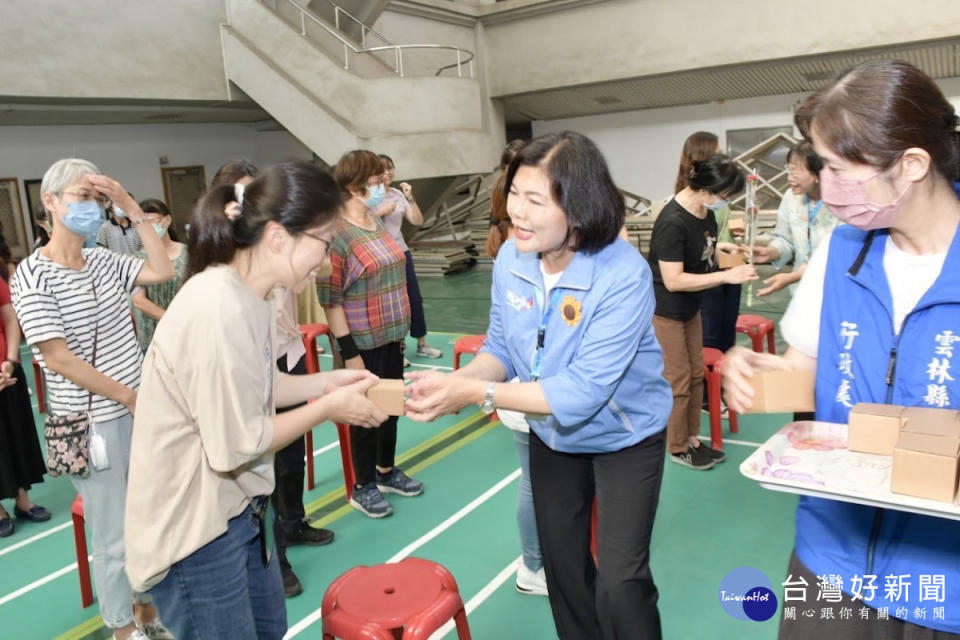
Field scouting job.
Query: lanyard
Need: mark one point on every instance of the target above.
(535, 371)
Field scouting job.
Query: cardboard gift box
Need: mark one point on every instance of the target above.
(388, 396)
(730, 260)
(783, 392)
(874, 428)
(937, 422)
(926, 466)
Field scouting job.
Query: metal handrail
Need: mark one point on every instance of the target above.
(396, 48)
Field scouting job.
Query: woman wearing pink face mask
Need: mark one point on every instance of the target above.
(876, 315)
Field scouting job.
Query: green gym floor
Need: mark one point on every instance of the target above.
(708, 523)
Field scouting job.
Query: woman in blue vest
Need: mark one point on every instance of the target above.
(571, 316)
(877, 315)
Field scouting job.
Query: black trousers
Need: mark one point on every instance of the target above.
(288, 467)
(617, 598)
(418, 321)
(719, 308)
(377, 447)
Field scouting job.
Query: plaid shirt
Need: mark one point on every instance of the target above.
(369, 281)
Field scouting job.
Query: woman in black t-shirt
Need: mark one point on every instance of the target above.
(683, 259)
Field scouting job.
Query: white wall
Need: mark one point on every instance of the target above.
(643, 147)
(130, 153)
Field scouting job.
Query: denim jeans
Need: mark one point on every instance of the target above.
(223, 590)
(104, 495)
(526, 518)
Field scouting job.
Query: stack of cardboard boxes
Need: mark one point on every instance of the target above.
(924, 443)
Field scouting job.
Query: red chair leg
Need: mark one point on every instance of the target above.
(310, 472)
(463, 629)
(346, 455)
(757, 340)
(713, 404)
(771, 342)
(456, 360)
(732, 419)
(83, 564)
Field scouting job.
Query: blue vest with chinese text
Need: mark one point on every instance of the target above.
(861, 359)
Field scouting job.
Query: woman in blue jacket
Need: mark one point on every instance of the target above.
(571, 317)
(877, 315)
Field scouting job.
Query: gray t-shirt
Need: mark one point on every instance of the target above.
(393, 222)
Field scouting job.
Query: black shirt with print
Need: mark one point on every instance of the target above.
(680, 236)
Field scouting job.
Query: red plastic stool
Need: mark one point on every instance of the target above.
(756, 327)
(712, 363)
(466, 344)
(83, 563)
(408, 600)
(310, 333)
(38, 382)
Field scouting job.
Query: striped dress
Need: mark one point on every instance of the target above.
(53, 301)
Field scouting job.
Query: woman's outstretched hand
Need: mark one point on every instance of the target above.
(434, 394)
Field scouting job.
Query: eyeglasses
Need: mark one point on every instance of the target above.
(85, 196)
(326, 243)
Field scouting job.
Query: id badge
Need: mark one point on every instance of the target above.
(98, 447)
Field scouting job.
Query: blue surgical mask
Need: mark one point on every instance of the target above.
(718, 205)
(160, 229)
(83, 218)
(377, 194)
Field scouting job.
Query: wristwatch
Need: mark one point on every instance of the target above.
(487, 405)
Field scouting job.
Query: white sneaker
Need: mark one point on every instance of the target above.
(426, 351)
(406, 363)
(531, 583)
(156, 631)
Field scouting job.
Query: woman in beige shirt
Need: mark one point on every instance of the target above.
(206, 431)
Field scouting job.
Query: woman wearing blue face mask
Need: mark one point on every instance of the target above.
(365, 300)
(73, 305)
(683, 260)
(876, 316)
(150, 302)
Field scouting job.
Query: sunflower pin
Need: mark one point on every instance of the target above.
(571, 311)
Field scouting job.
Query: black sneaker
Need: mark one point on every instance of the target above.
(291, 583)
(303, 533)
(694, 457)
(715, 454)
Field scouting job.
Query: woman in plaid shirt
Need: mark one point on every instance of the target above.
(365, 300)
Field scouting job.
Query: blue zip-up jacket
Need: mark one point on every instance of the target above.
(602, 368)
(906, 369)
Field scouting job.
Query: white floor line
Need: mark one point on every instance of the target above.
(481, 596)
(311, 619)
(38, 583)
(316, 452)
(743, 443)
(412, 364)
(39, 536)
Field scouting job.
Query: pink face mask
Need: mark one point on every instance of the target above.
(848, 200)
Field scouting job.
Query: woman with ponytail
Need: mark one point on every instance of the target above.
(876, 316)
(198, 524)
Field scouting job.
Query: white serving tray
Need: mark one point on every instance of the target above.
(812, 459)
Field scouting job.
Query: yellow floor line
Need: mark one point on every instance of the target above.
(82, 630)
(88, 627)
(338, 493)
(345, 509)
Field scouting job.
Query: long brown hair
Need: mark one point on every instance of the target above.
(696, 148)
(499, 220)
(873, 112)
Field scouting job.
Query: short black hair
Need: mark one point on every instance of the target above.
(717, 175)
(580, 183)
(805, 152)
